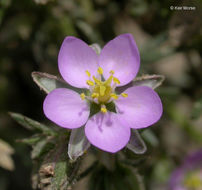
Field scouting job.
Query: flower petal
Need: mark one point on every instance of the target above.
(75, 57)
(65, 108)
(141, 108)
(121, 55)
(106, 132)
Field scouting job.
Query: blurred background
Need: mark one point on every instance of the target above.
(170, 44)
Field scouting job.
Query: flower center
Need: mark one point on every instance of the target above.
(193, 180)
(102, 91)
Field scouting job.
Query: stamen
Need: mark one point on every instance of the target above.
(89, 82)
(82, 95)
(87, 73)
(114, 96)
(116, 80)
(102, 90)
(124, 95)
(108, 81)
(111, 72)
(95, 95)
(103, 109)
(100, 70)
(97, 81)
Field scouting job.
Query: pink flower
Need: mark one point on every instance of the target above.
(189, 175)
(116, 65)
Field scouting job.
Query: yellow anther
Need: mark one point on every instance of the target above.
(82, 95)
(124, 95)
(114, 96)
(116, 80)
(87, 73)
(193, 182)
(95, 95)
(103, 109)
(111, 72)
(97, 81)
(102, 90)
(89, 82)
(100, 70)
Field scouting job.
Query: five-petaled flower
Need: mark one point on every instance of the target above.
(116, 65)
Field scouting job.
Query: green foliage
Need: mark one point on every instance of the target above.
(31, 124)
(197, 110)
(120, 178)
(55, 172)
(52, 168)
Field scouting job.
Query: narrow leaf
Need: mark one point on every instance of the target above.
(78, 143)
(48, 82)
(31, 124)
(30, 140)
(38, 148)
(152, 81)
(136, 144)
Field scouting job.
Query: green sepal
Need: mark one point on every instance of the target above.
(48, 82)
(152, 81)
(94, 108)
(136, 144)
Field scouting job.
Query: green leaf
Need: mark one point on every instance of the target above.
(121, 178)
(42, 147)
(31, 124)
(152, 81)
(31, 140)
(48, 82)
(136, 143)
